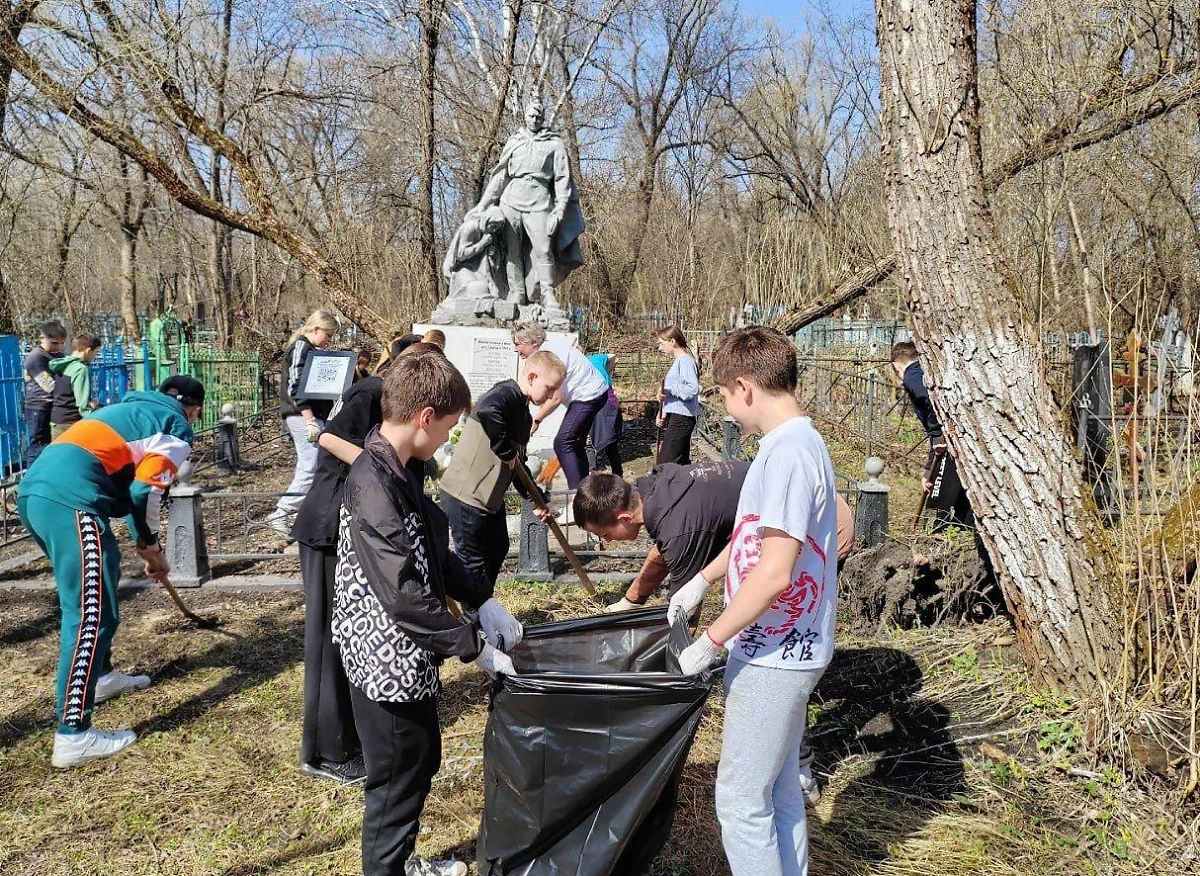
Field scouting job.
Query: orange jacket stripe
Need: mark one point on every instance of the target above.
(156, 470)
(101, 441)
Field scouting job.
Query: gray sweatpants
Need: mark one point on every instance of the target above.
(760, 803)
(306, 464)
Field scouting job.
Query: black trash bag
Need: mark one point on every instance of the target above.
(585, 747)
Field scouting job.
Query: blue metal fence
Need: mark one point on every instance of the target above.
(12, 404)
(114, 372)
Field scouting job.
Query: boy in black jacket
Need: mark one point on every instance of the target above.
(390, 618)
(482, 465)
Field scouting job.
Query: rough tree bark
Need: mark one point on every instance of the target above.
(16, 16)
(431, 12)
(982, 358)
(220, 240)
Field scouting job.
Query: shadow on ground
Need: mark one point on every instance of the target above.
(870, 708)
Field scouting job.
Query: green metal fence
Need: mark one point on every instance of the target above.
(229, 377)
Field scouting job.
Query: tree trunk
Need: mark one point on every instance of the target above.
(14, 21)
(431, 20)
(220, 235)
(491, 134)
(129, 242)
(983, 362)
(593, 252)
(641, 223)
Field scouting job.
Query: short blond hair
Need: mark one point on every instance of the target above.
(546, 363)
(435, 336)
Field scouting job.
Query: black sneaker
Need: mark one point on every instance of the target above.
(346, 773)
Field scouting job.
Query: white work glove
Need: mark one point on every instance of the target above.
(499, 627)
(686, 598)
(312, 431)
(495, 662)
(699, 655)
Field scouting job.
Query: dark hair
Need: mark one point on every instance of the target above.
(673, 333)
(402, 343)
(423, 380)
(188, 390)
(905, 351)
(762, 354)
(85, 341)
(600, 498)
(54, 330)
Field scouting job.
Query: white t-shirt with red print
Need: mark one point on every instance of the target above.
(789, 487)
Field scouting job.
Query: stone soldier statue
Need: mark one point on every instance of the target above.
(532, 184)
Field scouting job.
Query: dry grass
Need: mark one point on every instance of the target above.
(212, 788)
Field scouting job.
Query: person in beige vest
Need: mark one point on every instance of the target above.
(481, 468)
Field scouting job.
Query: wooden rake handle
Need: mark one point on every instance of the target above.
(527, 480)
(207, 622)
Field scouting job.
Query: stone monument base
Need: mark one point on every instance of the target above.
(496, 312)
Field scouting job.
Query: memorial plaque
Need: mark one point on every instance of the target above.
(492, 360)
(327, 374)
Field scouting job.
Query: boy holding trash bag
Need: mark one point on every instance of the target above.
(481, 468)
(690, 512)
(781, 600)
(390, 616)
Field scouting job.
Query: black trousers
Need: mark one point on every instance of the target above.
(402, 744)
(614, 459)
(676, 443)
(480, 539)
(328, 733)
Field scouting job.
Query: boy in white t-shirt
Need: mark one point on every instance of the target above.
(780, 573)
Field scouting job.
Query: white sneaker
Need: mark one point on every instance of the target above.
(623, 605)
(418, 866)
(565, 517)
(72, 749)
(811, 788)
(116, 683)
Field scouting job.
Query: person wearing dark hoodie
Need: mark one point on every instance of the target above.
(117, 462)
(690, 512)
(329, 743)
(72, 396)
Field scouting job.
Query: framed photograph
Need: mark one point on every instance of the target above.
(327, 374)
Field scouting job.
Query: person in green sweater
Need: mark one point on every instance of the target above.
(72, 395)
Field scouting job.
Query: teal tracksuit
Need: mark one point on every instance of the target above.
(115, 462)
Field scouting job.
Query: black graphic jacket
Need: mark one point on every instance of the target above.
(394, 572)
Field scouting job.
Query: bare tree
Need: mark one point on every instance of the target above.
(669, 46)
(983, 359)
(170, 127)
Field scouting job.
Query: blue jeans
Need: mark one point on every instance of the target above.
(37, 421)
(570, 444)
